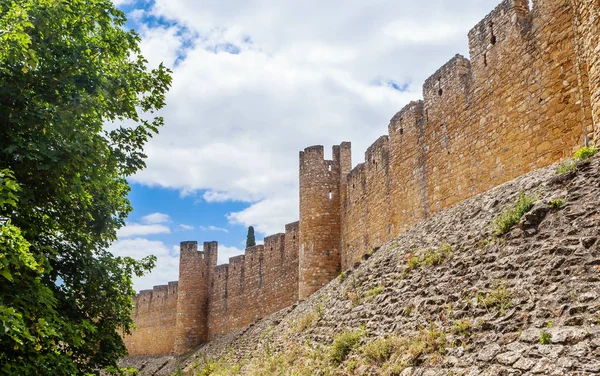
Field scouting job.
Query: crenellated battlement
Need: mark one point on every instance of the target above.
(210, 300)
(449, 82)
(507, 24)
(528, 96)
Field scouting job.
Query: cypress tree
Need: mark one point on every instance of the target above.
(250, 240)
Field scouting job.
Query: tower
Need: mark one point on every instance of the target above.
(192, 301)
(322, 184)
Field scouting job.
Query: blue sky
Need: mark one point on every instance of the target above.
(254, 82)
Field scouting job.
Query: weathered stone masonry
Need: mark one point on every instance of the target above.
(210, 300)
(528, 97)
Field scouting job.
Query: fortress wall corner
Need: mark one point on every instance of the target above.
(192, 302)
(319, 259)
(529, 96)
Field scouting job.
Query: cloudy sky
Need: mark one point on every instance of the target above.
(254, 82)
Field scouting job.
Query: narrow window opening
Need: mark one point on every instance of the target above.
(492, 36)
(440, 91)
(401, 131)
(485, 59)
(330, 195)
(202, 274)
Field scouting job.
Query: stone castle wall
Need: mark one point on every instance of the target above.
(211, 300)
(254, 285)
(155, 315)
(522, 102)
(528, 97)
(321, 186)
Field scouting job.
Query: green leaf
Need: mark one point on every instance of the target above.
(66, 68)
(6, 274)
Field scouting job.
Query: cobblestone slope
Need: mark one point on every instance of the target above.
(451, 298)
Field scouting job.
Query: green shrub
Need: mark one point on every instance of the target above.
(545, 338)
(342, 277)
(511, 216)
(395, 368)
(320, 310)
(585, 153)
(344, 343)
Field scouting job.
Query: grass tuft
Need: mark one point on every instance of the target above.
(545, 338)
(344, 343)
(499, 298)
(381, 349)
(565, 167)
(306, 321)
(374, 292)
(428, 257)
(511, 216)
(556, 203)
(461, 327)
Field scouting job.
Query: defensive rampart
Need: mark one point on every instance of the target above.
(210, 300)
(528, 97)
(522, 102)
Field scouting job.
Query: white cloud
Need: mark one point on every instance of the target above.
(155, 218)
(212, 196)
(213, 228)
(235, 122)
(118, 3)
(414, 32)
(226, 252)
(167, 263)
(186, 227)
(268, 216)
(167, 259)
(136, 229)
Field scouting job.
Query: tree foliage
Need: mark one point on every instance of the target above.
(250, 240)
(69, 71)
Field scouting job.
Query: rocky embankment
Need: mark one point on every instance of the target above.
(463, 293)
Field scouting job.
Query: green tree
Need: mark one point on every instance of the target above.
(250, 240)
(68, 72)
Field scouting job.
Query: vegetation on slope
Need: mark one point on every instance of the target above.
(452, 296)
